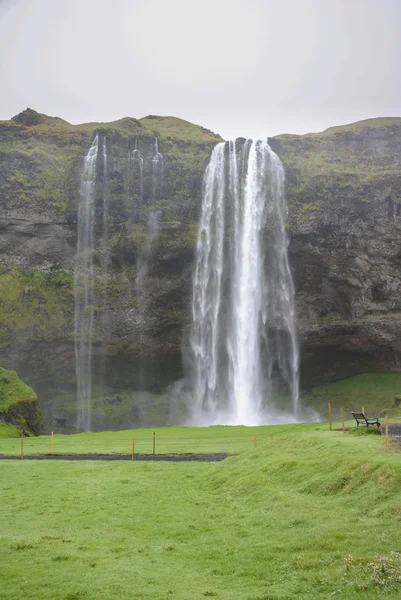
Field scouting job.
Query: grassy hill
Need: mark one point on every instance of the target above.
(18, 406)
(308, 514)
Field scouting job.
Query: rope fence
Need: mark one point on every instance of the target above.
(165, 442)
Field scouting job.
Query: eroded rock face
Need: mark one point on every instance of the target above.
(344, 193)
(344, 197)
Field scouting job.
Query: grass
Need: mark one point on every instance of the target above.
(13, 391)
(301, 516)
(169, 440)
(373, 391)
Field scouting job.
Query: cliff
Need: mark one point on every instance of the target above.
(343, 192)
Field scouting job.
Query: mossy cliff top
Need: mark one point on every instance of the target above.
(348, 159)
(41, 158)
(18, 404)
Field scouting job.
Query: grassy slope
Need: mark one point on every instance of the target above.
(373, 391)
(13, 391)
(276, 523)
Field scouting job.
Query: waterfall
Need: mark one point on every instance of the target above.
(137, 171)
(157, 172)
(243, 337)
(83, 287)
(143, 294)
(105, 206)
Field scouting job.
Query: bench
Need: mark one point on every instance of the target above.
(362, 419)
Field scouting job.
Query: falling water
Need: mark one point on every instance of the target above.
(243, 336)
(157, 172)
(83, 287)
(137, 161)
(143, 294)
(105, 206)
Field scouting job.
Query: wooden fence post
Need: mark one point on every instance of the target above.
(330, 419)
(342, 418)
(154, 443)
(387, 440)
(133, 448)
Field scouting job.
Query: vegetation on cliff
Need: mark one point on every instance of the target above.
(40, 157)
(35, 305)
(19, 406)
(353, 163)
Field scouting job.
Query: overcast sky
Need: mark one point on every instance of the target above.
(248, 68)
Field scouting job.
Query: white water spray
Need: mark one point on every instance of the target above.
(243, 336)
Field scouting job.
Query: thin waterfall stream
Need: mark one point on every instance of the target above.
(243, 344)
(83, 287)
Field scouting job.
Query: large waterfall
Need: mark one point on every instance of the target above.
(83, 287)
(243, 344)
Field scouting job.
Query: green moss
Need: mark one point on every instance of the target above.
(338, 163)
(18, 405)
(35, 304)
(13, 391)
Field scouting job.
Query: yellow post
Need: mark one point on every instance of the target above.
(342, 418)
(154, 443)
(330, 420)
(133, 448)
(22, 445)
(254, 440)
(52, 442)
(387, 440)
(363, 409)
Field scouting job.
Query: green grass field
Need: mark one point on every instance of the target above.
(308, 514)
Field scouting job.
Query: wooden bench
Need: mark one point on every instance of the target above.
(362, 419)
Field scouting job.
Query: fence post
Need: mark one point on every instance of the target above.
(52, 442)
(330, 420)
(387, 440)
(342, 418)
(133, 448)
(154, 443)
(22, 445)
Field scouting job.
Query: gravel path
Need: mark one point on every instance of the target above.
(157, 457)
(394, 432)
(393, 429)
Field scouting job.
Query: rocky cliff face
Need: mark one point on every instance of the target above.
(344, 193)
(344, 196)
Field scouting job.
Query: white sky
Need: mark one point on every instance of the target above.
(247, 68)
